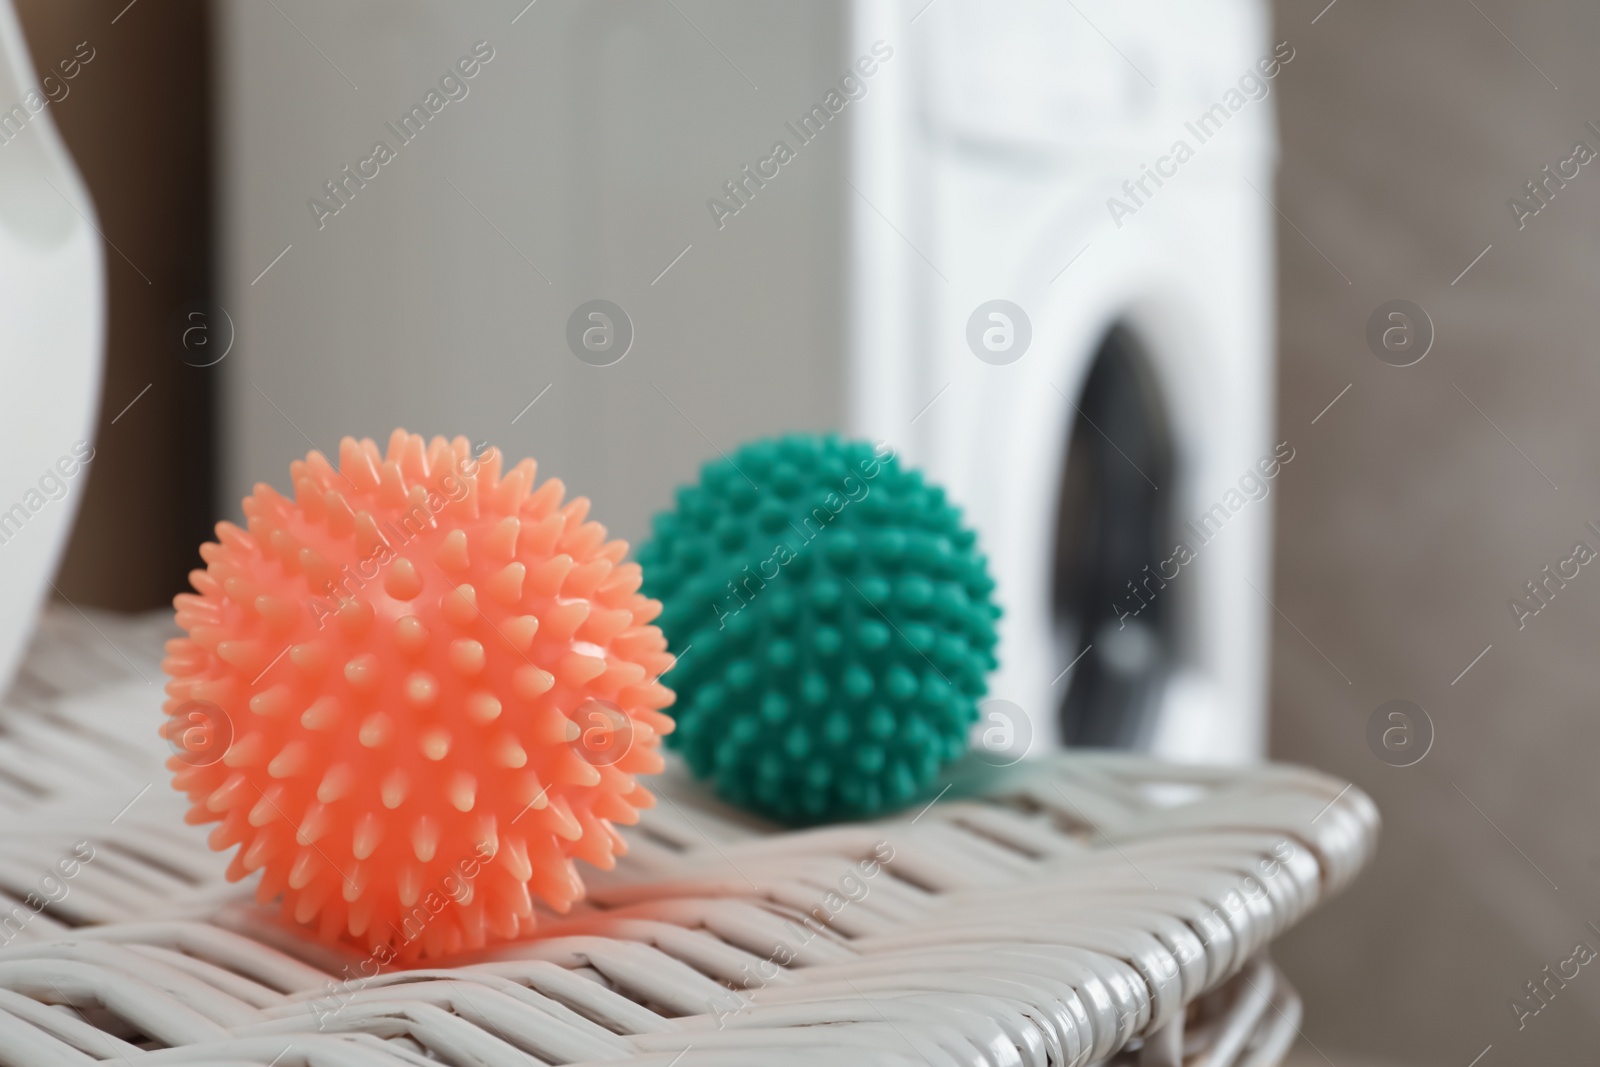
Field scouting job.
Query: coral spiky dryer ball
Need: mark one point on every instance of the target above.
(438, 683)
(835, 623)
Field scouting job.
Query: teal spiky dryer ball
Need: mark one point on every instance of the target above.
(833, 622)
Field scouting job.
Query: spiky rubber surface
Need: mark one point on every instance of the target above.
(439, 683)
(835, 623)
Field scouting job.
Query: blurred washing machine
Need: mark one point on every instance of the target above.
(1070, 324)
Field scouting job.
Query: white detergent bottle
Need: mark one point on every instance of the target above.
(52, 332)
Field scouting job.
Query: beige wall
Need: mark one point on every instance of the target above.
(1410, 520)
(592, 140)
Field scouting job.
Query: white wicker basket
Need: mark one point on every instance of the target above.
(1081, 909)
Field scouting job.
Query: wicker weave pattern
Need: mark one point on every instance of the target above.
(1075, 910)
